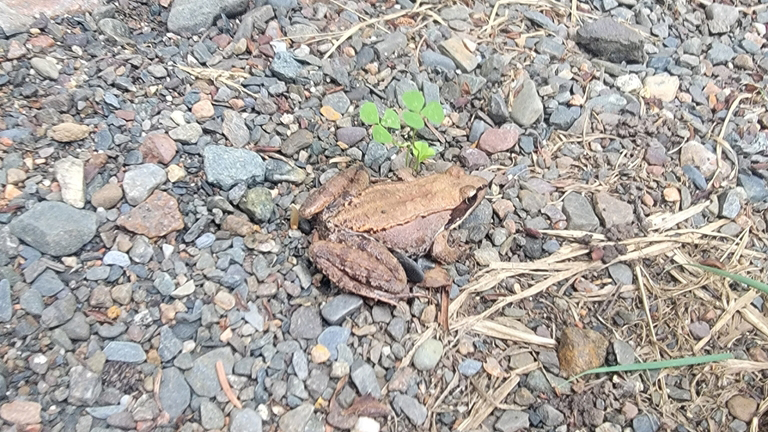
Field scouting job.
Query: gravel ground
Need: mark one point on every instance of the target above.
(153, 268)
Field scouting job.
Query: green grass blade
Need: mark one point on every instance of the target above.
(733, 276)
(664, 364)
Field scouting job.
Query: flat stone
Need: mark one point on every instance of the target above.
(157, 216)
(46, 68)
(246, 420)
(48, 283)
(211, 416)
(351, 135)
(306, 323)
(550, 415)
(158, 147)
(721, 17)
(84, 386)
(187, 134)
(174, 392)
(70, 174)
(469, 367)
(580, 350)
(461, 56)
(12, 22)
(225, 166)
(645, 422)
(512, 421)
(608, 39)
(579, 213)
(234, 128)
(412, 408)
(612, 211)
(59, 312)
(21, 412)
(742, 407)
(285, 67)
(332, 337)
(195, 16)
(129, 352)
(392, 43)
(298, 141)
(498, 140)
(6, 305)
(141, 181)
(202, 377)
(621, 273)
(340, 307)
(296, 420)
(436, 60)
(116, 30)
(699, 329)
(365, 380)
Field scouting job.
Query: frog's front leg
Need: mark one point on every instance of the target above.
(347, 183)
(445, 253)
(361, 265)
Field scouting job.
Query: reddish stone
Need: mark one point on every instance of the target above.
(15, 50)
(158, 147)
(157, 216)
(221, 40)
(264, 39)
(21, 412)
(267, 50)
(42, 41)
(498, 140)
(125, 115)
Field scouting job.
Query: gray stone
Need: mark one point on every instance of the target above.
(141, 181)
(609, 39)
(84, 387)
(721, 17)
(754, 187)
(13, 23)
(278, 171)
(6, 305)
(526, 107)
(364, 378)
(202, 376)
(730, 204)
(720, 53)
(340, 307)
(48, 284)
(469, 367)
(46, 68)
(699, 329)
(258, 204)
(195, 16)
(211, 416)
(351, 135)
(306, 323)
(625, 354)
(390, 45)
(411, 407)
(621, 273)
(174, 392)
(298, 141)
(300, 365)
(296, 419)
(117, 258)
(332, 337)
(436, 60)
(695, 176)
(55, 228)
(31, 301)
(187, 134)
(579, 213)
(645, 422)
(77, 328)
(169, 346)
(550, 415)
(59, 312)
(338, 101)
(563, 117)
(285, 67)
(233, 127)
(226, 166)
(428, 354)
(612, 211)
(116, 29)
(512, 421)
(129, 352)
(497, 108)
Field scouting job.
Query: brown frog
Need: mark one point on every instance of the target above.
(360, 225)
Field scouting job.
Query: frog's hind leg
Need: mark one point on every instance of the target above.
(346, 184)
(361, 265)
(443, 252)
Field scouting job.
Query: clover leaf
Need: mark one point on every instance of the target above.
(381, 135)
(413, 120)
(413, 100)
(369, 114)
(433, 112)
(390, 119)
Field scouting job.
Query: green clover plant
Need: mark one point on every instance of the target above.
(413, 116)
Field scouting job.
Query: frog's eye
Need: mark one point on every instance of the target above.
(467, 192)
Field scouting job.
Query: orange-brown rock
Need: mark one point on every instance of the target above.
(580, 350)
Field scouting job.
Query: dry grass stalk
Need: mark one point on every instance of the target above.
(501, 331)
(725, 317)
(480, 411)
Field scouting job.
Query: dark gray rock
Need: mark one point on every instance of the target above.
(436, 60)
(59, 312)
(169, 346)
(6, 305)
(129, 352)
(55, 228)
(645, 422)
(257, 203)
(298, 141)
(296, 419)
(338, 308)
(202, 377)
(364, 377)
(754, 187)
(306, 323)
(579, 213)
(609, 39)
(195, 16)
(48, 284)
(174, 392)
(411, 407)
(226, 166)
(526, 107)
(512, 421)
(285, 67)
(332, 337)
